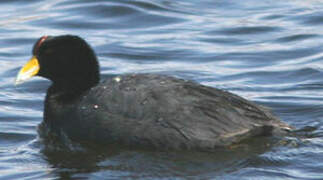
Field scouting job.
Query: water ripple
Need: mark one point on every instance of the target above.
(270, 52)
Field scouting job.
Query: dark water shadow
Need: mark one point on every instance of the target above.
(73, 160)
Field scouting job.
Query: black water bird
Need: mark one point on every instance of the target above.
(146, 110)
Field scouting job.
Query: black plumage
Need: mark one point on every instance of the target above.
(148, 110)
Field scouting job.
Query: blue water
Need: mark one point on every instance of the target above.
(270, 52)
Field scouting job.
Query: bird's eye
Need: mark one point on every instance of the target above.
(48, 51)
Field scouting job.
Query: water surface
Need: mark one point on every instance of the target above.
(269, 52)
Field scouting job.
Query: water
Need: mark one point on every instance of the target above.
(269, 52)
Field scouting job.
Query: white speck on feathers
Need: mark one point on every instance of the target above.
(117, 79)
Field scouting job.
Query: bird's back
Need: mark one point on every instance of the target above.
(163, 111)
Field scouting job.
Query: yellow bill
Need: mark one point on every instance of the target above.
(28, 70)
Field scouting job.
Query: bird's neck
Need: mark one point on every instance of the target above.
(67, 91)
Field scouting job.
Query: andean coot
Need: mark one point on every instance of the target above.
(148, 110)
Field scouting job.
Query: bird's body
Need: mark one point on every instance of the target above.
(145, 109)
(160, 112)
